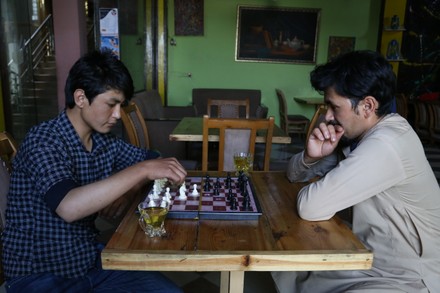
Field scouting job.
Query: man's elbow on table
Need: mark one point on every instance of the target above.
(311, 211)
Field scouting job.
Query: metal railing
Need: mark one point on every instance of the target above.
(39, 45)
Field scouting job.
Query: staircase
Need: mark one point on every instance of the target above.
(38, 100)
(35, 90)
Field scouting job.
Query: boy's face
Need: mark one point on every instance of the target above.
(105, 110)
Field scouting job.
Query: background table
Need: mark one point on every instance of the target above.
(311, 101)
(191, 129)
(278, 241)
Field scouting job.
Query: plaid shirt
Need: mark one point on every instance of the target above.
(36, 239)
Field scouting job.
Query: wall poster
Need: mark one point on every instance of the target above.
(109, 30)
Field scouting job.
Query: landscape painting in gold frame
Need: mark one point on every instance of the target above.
(281, 35)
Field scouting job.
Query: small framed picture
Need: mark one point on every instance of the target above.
(339, 45)
(188, 17)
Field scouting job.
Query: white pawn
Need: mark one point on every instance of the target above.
(151, 203)
(195, 192)
(167, 195)
(163, 204)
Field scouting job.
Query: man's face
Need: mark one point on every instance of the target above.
(105, 110)
(340, 112)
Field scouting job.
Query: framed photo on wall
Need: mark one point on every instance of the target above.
(281, 35)
(188, 17)
(339, 45)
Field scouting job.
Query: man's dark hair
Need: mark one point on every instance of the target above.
(96, 73)
(356, 75)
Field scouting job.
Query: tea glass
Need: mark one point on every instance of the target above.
(243, 162)
(152, 217)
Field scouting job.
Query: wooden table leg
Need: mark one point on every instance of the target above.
(232, 282)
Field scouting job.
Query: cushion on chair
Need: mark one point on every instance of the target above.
(200, 98)
(151, 107)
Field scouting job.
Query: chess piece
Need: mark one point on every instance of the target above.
(195, 192)
(182, 192)
(167, 195)
(233, 203)
(230, 194)
(151, 203)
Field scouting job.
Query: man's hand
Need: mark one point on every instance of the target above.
(322, 141)
(168, 168)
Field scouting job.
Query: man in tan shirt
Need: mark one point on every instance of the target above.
(382, 172)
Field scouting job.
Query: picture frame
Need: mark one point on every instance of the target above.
(188, 17)
(339, 45)
(277, 35)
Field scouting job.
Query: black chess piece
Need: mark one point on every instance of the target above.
(228, 181)
(217, 183)
(233, 203)
(246, 203)
(230, 194)
(206, 186)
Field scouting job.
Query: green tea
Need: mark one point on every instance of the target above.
(156, 216)
(243, 163)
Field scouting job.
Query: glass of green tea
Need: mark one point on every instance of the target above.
(243, 162)
(152, 217)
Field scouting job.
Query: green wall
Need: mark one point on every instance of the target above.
(211, 58)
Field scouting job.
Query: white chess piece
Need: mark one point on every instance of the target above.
(151, 203)
(182, 191)
(163, 204)
(195, 192)
(167, 195)
(155, 192)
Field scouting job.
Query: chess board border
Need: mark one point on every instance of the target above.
(213, 215)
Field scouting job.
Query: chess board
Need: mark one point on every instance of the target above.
(212, 202)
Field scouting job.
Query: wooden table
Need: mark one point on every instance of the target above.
(278, 241)
(191, 129)
(310, 101)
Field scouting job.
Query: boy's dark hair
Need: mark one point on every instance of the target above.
(356, 75)
(96, 73)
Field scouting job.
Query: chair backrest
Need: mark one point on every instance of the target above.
(236, 135)
(8, 148)
(434, 129)
(317, 118)
(4, 188)
(402, 105)
(282, 104)
(134, 125)
(149, 104)
(228, 108)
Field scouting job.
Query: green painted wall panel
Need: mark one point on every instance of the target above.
(211, 58)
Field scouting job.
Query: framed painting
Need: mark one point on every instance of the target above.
(282, 35)
(188, 17)
(339, 45)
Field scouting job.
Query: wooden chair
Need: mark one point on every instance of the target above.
(317, 118)
(236, 135)
(8, 148)
(434, 129)
(422, 121)
(402, 105)
(291, 124)
(137, 132)
(135, 126)
(4, 187)
(228, 108)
